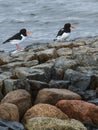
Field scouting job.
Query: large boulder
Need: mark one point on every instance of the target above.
(53, 95)
(79, 110)
(9, 112)
(47, 123)
(44, 110)
(21, 98)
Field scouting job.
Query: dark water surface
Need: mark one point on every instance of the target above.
(44, 18)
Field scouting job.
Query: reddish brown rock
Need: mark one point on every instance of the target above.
(53, 95)
(21, 98)
(79, 110)
(44, 110)
(9, 112)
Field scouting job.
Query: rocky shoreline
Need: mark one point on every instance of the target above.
(50, 86)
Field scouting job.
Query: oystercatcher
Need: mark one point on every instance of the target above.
(18, 38)
(64, 32)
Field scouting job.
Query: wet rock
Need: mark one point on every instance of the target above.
(44, 110)
(31, 74)
(9, 112)
(79, 110)
(21, 98)
(46, 55)
(61, 64)
(59, 84)
(46, 123)
(53, 95)
(10, 125)
(78, 81)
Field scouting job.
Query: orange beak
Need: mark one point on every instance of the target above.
(28, 33)
(73, 27)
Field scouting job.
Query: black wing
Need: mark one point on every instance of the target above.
(60, 32)
(16, 36)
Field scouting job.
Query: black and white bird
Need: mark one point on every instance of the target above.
(64, 32)
(18, 38)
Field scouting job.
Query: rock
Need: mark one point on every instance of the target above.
(90, 126)
(4, 76)
(1, 96)
(46, 67)
(21, 98)
(79, 110)
(14, 64)
(62, 64)
(4, 58)
(79, 81)
(94, 101)
(59, 45)
(59, 84)
(31, 74)
(46, 55)
(44, 110)
(35, 86)
(86, 56)
(9, 112)
(46, 123)
(88, 95)
(64, 52)
(14, 84)
(53, 95)
(10, 125)
(30, 63)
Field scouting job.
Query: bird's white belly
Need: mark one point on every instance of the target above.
(16, 41)
(63, 37)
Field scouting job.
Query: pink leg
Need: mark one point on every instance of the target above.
(18, 47)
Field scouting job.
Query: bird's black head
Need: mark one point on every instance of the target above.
(23, 31)
(67, 27)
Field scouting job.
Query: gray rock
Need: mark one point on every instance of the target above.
(30, 63)
(4, 58)
(31, 74)
(46, 123)
(94, 101)
(59, 84)
(64, 52)
(3, 76)
(14, 84)
(79, 81)
(62, 64)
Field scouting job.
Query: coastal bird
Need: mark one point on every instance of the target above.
(64, 32)
(18, 38)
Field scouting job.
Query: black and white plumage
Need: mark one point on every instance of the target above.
(17, 38)
(64, 33)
